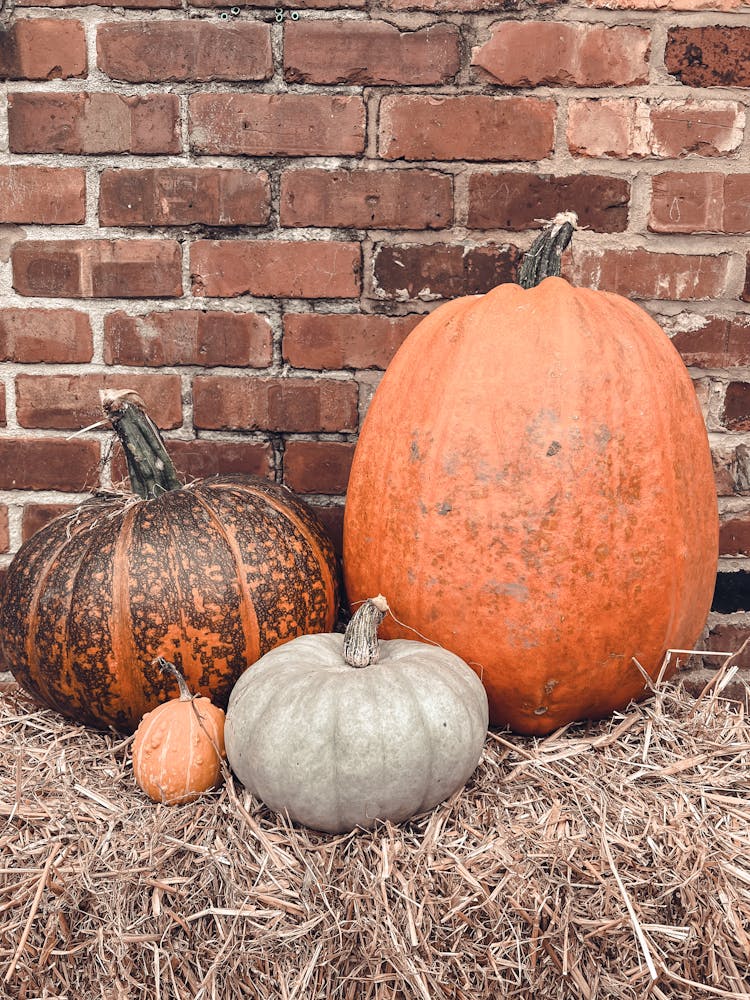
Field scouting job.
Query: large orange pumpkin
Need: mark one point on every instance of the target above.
(533, 481)
(210, 576)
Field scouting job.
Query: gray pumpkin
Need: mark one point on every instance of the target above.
(335, 746)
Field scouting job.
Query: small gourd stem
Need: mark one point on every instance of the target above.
(361, 646)
(543, 260)
(169, 668)
(149, 466)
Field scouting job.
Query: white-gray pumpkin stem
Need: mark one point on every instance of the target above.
(361, 646)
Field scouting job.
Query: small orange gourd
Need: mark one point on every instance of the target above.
(179, 745)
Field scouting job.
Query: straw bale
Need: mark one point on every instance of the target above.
(608, 861)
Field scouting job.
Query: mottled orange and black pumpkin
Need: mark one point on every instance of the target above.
(210, 576)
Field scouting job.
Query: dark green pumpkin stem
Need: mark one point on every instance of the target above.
(171, 670)
(543, 260)
(361, 646)
(149, 466)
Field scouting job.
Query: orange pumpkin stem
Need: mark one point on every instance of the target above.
(361, 646)
(150, 468)
(544, 258)
(169, 668)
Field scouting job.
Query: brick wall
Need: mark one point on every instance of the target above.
(242, 216)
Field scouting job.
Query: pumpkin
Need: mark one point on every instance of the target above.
(533, 480)
(209, 575)
(179, 745)
(339, 731)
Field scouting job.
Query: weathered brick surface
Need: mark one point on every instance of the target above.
(188, 337)
(369, 52)
(681, 5)
(4, 532)
(532, 54)
(34, 336)
(277, 124)
(468, 127)
(519, 201)
(734, 537)
(158, 51)
(318, 466)
(711, 341)
(621, 128)
(442, 271)
(712, 56)
(93, 123)
(44, 195)
(48, 464)
(736, 413)
(310, 270)
(335, 340)
(171, 196)
(97, 268)
(136, 4)
(37, 515)
(274, 404)
(68, 402)
(366, 199)
(700, 203)
(200, 459)
(3, 418)
(644, 274)
(42, 49)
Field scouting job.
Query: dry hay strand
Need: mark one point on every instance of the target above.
(608, 862)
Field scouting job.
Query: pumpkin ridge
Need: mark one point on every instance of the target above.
(427, 776)
(123, 647)
(248, 617)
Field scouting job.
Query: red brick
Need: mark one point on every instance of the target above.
(686, 5)
(642, 274)
(277, 124)
(736, 412)
(37, 515)
(441, 270)
(188, 337)
(536, 53)
(44, 195)
(710, 341)
(198, 459)
(467, 127)
(4, 530)
(318, 466)
(162, 51)
(34, 336)
(367, 199)
(711, 56)
(69, 402)
(97, 268)
(725, 637)
(173, 196)
(332, 518)
(311, 269)
(304, 405)
(700, 203)
(49, 464)
(140, 4)
(341, 340)
(734, 537)
(91, 123)
(42, 49)
(519, 201)
(633, 128)
(467, 6)
(369, 52)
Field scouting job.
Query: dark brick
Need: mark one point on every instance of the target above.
(441, 270)
(711, 56)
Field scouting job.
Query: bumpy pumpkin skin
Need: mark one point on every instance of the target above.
(337, 747)
(175, 748)
(533, 481)
(210, 577)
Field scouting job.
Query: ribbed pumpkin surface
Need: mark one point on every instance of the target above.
(211, 577)
(533, 490)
